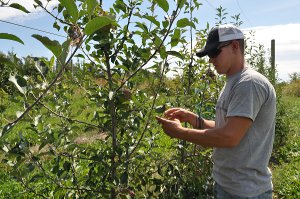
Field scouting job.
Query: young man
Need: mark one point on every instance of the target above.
(243, 131)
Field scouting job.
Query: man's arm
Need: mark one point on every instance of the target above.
(229, 135)
(184, 115)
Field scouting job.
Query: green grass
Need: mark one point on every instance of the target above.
(286, 176)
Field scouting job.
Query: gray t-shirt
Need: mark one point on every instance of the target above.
(243, 170)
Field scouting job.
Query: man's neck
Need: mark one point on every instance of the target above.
(236, 67)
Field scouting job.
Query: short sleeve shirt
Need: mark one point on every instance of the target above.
(243, 170)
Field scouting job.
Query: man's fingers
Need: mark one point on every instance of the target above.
(160, 120)
(170, 111)
(165, 120)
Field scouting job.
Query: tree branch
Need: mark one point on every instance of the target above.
(66, 118)
(55, 17)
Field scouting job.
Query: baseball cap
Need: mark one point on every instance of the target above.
(219, 34)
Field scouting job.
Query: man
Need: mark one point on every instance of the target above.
(243, 131)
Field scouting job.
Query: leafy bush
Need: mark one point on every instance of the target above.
(292, 89)
(110, 94)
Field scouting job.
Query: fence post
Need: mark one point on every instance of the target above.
(273, 72)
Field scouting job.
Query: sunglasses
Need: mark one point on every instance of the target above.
(215, 52)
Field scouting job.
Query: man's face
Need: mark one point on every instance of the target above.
(222, 58)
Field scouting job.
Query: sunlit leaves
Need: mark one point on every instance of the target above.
(176, 37)
(53, 46)
(163, 4)
(96, 24)
(65, 51)
(176, 54)
(185, 22)
(181, 3)
(71, 9)
(19, 7)
(91, 5)
(19, 82)
(10, 37)
(152, 19)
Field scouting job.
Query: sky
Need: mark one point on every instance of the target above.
(270, 19)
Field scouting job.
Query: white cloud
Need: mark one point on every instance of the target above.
(12, 14)
(287, 46)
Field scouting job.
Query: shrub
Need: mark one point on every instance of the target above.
(292, 89)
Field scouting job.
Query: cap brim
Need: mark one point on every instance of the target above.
(206, 49)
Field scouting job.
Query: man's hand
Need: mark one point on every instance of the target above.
(181, 114)
(171, 127)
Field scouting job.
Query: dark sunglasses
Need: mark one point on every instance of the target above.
(215, 52)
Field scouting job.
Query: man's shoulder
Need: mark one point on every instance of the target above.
(249, 75)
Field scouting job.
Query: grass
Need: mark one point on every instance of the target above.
(286, 176)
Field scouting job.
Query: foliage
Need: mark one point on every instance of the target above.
(286, 175)
(106, 95)
(293, 88)
(114, 93)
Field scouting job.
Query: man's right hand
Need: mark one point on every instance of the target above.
(182, 115)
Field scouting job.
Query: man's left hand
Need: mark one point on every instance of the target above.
(171, 127)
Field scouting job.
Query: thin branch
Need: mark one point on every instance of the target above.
(91, 59)
(55, 17)
(31, 190)
(66, 118)
(113, 56)
(150, 112)
(173, 159)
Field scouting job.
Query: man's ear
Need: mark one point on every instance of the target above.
(235, 46)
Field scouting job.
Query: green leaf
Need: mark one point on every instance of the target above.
(176, 54)
(185, 22)
(91, 5)
(96, 24)
(53, 46)
(65, 51)
(20, 83)
(71, 8)
(163, 4)
(36, 177)
(160, 109)
(175, 38)
(181, 3)
(19, 7)
(153, 20)
(52, 62)
(10, 37)
(6, 129)
(38, 2)
(67, 166)
(122, 67)
(124, 178)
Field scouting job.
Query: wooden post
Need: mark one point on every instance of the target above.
(273, 61)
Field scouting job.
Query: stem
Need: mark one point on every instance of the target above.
(150, 112)
(66, 118)
(55, 17)
(183, 151)
(31, 190)
(112, 109)
(120, 46)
